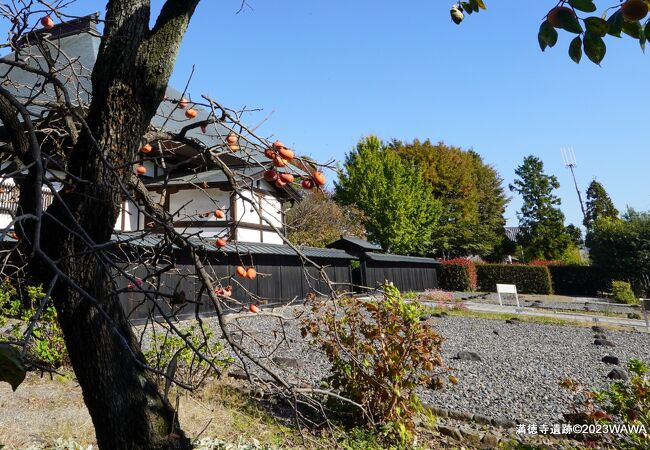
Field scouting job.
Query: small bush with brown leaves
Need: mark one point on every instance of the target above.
(380, 353)
(623, 403)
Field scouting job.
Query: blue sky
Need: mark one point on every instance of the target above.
(333, 71)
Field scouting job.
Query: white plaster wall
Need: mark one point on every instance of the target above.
(245, 211)
(271, 237)
(272, 211)
(208, 233)
(247, 235)
(130, 213)
(190, 203)
(5, 220)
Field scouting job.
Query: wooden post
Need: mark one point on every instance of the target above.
(645, 306)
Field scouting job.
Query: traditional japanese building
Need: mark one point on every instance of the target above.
(188, 185)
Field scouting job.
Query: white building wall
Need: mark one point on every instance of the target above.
(271, 211)
(132, 217)
(271, 237)
(207, 233)
(5, 220)
(248, 235)
(245, 211)
(189, 204)
(192, 204)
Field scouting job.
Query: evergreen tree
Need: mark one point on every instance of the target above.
(543, 234)
(401, 213)
(471, 192)
(575, 234)
(598, 205)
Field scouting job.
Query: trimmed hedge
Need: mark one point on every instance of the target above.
(528, 279)
(586, 281)
(457, 275)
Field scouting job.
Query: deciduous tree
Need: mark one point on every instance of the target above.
(401, 212)
(91, 128)
(318, 220)
(471, 193)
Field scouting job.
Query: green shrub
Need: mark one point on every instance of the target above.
(458, 275)
(380, 353)
(621, 247)
(191, 369)
(622, 403)
(528, 279)
(578, 280)
(622, 293)
(47, 346)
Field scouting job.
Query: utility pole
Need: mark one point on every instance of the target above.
(569, 158)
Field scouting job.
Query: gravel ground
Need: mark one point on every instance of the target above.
(518, 377)
(521, 367)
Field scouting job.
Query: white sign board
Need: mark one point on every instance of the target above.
(507, 289)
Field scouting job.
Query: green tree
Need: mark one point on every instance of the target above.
(575, 234)
(401, 213)
(471, 192)
(622, 248)
(318, 220)
(598, 205)
(543, 234)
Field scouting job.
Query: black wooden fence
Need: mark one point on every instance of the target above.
(282, 275)
(406, 275)
(281, 278)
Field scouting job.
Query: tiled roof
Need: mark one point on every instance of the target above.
(209, 176)
(361, 243)
(400, 258)
(254, 248)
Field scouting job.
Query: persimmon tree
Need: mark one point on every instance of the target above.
(590, 21)
(94, 128)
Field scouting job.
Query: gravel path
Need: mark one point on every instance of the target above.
(518, 377)
(553, 302)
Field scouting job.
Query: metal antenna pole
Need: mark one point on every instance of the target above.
(569, 158)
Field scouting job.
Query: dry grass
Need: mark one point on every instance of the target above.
(225, 409)
(42, 410)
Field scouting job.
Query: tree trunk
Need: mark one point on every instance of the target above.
(129, 81)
